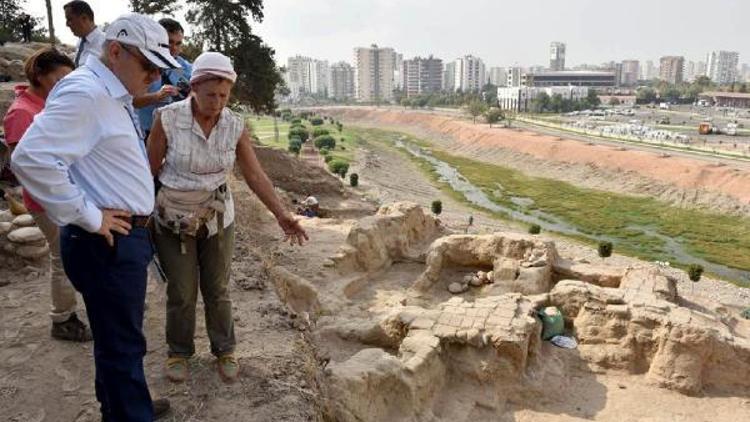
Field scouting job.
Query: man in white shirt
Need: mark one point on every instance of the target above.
(83, 159)
(79, 17)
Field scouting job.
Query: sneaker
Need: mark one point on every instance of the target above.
(176, 369)
(71, 330)
(161, 408)
(229, 368)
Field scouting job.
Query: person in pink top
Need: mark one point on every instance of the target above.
(43, 70)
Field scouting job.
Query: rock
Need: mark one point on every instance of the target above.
(32, 252)
(457, 288)
(481, 275)
(6, 216)
(468, 278)
(26, 235)
(476, 281)
(23, 220)
(5, 228)
(490, 276)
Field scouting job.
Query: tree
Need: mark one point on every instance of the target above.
(540, 104)
(223, 26)
(10, 11)
(325, 141)
(354, 180)
(493, 115)
(614, 101)
(295, 145)
(476, 108)
(695, 271)
(152, 7)
(645, 95)
(50, 23)
(535, 229)
(339, 167)
(605, 249)
(556, 103)
(592, 99)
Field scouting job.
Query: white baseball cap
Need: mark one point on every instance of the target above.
(146, 34)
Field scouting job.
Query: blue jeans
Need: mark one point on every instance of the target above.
(112, 281)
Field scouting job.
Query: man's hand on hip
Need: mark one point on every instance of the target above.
(116, 221)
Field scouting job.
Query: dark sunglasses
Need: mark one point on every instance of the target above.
(145, 63)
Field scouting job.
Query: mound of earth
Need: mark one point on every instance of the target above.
(681, 180)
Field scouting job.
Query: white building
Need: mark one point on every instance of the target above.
(398, 71)
(557, 56)
(498, 76)
(374, 73)
(630, 73)
(306, 76)
(721, 66)
(470, 74)
(449, 76)
(341, 86)
(520, 98)
(514, 77)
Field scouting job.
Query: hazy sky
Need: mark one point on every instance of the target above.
(502, 33)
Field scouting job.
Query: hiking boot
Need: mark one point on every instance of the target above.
(161, 408)
(71, 330)
(229, 368)
(176, 369)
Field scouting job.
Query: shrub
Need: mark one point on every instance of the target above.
(605, 249)
(316, 121)
(535, 229)
(695, 271)
(319, 131)
(339, 126)
(295, 145)
(354, 180)
(339, 167)
(299, 132)
(437, 207)
(324, 151)
(325, 141)
(296, 121)
(327, 158)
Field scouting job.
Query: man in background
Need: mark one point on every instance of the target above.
(79, 17)
(173, 84)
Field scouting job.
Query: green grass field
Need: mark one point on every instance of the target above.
(717, 238)
(263, 128)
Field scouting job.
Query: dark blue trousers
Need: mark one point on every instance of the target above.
(112, 281)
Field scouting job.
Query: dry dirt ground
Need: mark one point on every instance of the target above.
(678, 180)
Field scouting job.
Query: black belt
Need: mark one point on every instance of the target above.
(140, 220)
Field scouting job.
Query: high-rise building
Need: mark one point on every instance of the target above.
(671, 69)
(745, 73)
(398, 71)
(374, 73)
(648, 71)
(498, 76)
(690, 74)
(341, 86)
(470, 74)
(700, 69)
(557, 56)
(722, 66)
(422, 76)
(306, 76)
(630, 72)
(449, 77)
(514, 77)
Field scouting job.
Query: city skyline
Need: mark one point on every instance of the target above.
(333, 28)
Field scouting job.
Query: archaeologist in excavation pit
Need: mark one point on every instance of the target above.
(192, 148)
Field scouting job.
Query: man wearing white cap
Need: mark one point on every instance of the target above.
(83, 159)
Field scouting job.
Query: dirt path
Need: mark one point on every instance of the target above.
(678, 180)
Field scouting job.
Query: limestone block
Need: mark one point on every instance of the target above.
(6, 216)
(26, 235)
(23, 220)
(32, 252)
(5, 228)
(600, 275)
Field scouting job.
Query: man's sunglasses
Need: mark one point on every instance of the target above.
(145, 63)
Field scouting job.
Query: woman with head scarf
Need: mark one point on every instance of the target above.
(192, 149)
